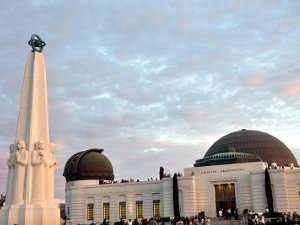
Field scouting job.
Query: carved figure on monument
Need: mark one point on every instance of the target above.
(52, 149)
(20, 171)
(11, 162)
(49, 172)
(38, 177)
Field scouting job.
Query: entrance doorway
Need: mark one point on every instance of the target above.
(225, 198)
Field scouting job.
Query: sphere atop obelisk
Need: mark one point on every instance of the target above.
(36, 43)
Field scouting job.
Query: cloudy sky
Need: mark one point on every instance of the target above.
(154, 83)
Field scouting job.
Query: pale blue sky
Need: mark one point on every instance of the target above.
(154, 83)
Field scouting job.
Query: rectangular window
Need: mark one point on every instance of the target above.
(106, 210)
(156, 208)
(122, 210)
(139, 209)
(90, 211)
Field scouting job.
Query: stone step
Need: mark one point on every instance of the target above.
(216, 221)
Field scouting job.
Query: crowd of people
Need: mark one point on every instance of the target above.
(197, 220)
(271, 218)
(165, 175)
(162, 175)
(260, 219)
(228, 214)
(251, 218)
(143, 221)
(248, 216)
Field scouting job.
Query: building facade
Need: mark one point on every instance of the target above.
(231, 175)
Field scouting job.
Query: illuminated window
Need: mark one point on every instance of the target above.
(106, 210)
(90, 212)
(139, 209)
(156, 208)
(122, 210)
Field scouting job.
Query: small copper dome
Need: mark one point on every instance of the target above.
(264, 145)
(88, 165)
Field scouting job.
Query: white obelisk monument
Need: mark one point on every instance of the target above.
(30, 181)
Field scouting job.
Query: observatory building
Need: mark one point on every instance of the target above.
(232, 174)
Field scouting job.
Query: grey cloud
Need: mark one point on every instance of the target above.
(130, 77)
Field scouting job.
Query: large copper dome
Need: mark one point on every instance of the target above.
(87, 165)
(264, 145)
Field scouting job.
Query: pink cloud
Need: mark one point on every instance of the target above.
(294, 20)
(254, 80)
(59, 143)
(292, 88)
